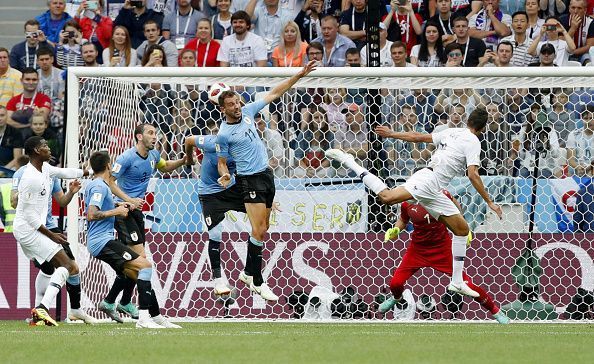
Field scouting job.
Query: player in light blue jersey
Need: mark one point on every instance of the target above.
(101, 212)
(133, 170)
(46, 269)
(215, 200)
(238, 138)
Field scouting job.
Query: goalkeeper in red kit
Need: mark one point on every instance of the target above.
(430, 247)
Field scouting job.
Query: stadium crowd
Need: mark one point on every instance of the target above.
(297, 130)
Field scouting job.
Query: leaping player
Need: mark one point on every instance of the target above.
(429, 247)
(458, 151)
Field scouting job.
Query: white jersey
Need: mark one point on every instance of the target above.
(582, 145)
(34, 194)
(322, 311)
(456, 150)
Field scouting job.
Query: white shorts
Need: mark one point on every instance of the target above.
(423, 186)
(37, 246)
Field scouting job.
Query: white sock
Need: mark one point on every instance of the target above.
(56, 283)
(373, 183)
(458, 254)
(41, 282)
(143, 315)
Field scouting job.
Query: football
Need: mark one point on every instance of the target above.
(215, 91)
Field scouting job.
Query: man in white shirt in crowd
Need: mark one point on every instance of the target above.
(398, 55)
(242, 48)
(35, 239)
(520, 40)
(580, 143)
(385, 44)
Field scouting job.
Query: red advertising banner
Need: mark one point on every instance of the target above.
(302, 261)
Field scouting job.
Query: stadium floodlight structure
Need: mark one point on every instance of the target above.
(323, 236)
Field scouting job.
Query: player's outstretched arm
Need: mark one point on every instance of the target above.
(117, 191)
(409, 136)
(63, 199)
(189, 144)
(284, 86)
(477, 182)
(95, 214)
(171, 165)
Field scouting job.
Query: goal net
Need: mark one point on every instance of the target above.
(325, 255)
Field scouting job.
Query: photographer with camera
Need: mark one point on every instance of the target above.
(68, 51)
(23, 54)
(96, 27)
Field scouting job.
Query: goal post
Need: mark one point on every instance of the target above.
(322, 239)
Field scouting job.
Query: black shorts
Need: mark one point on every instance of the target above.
(131, 228)
(258, 188)
(214, 206)
(116, 254)
(47, 267)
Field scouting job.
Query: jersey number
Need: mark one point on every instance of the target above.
(250, 134)
(428, 217)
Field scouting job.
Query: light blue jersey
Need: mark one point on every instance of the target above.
(209, 174)
(242, 141)
(99, 232)
(133, 171)
(50, 222)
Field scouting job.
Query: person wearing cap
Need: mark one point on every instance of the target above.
(562, 47)
(547, 57)
(385, 44)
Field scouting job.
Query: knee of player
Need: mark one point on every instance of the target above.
(72, 267)
(461, 230)
(143, 263)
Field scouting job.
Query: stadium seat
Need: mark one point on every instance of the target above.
(573, 64)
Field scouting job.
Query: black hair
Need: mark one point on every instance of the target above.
(139, 129)
(477, 119)
(99, 161)
(242, 15)
(32, 143)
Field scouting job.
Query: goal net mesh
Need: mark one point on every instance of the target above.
(326, 240)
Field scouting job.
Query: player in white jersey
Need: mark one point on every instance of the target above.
(458, 151)
(35, 239)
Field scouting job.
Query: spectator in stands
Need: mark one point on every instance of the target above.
(454, 53)
(559, 117)
(309, 18)
(20, 107)
(152, 32)
(352, 58)
(407, 156)
(490, 24)
(510, 6)
(473, 48)
(11, 144)
(95, 26)
(242, 48)
(501, 58)
(204, 48)
(581, 28)
(547, 57)
(430, 53)
(385, 44)
(554, 7)
(315, 51)
(520, 40)
(495, 144)
(424, 100)
(89, 54)
(134, 19)
(536, 134)
(51, 83)
(268, 19)
(407, 20)
(187, 58)
(157, 101)
(535, 22)
(154, 57)
(68, 51)
(23, 54)
(563, 47)
(221, 20)
(352, 22)
(580, 142)
(120, 52)
(334, 102)
(52, 21)
(183, 126)
(291, 51)
(39, 127)
(353, 138)
(274, 146)
(398, 54)
(445, 19)
(466, 97)
(335, 45)
(315, 138)
(10, 78)
(181, 26)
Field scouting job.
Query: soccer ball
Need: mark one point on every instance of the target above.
(215, 91)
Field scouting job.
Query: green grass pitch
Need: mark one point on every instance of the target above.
(284, 342)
